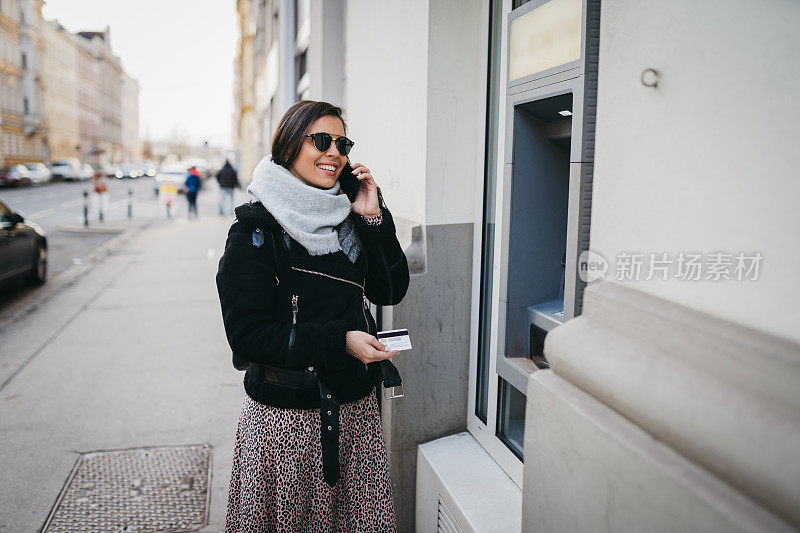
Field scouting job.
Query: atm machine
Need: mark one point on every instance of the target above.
(551, 99)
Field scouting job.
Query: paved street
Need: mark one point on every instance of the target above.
(125, 349)
(61, 203)
(58, 208)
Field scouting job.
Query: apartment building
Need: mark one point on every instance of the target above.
(131, 145)
(100, 101)
(63, 94)
(60, 80)
(12, 126)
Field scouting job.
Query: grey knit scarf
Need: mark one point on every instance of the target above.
(316, 218)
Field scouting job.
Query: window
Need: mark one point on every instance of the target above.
(25, 107)
(24, 60)
(301, 64)
(511, 418)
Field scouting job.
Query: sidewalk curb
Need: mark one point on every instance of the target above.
(91, 229)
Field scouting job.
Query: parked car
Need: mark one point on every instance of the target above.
(174, 173)
(86, 172)
(115, 172)
(23, 248)
(105, 168)
(66, 169)
(203, 167)
(131, 170)
(15, 176)
(39, 173)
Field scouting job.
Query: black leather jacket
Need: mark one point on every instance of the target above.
(286, 314)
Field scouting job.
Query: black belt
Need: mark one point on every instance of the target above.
(329, 405)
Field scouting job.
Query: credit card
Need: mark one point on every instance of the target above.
(396, 339)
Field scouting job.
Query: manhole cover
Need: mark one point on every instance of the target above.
(141, 489)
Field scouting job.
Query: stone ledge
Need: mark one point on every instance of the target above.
(589, 469)
(723, 395)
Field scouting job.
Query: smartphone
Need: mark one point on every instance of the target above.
(349, 183)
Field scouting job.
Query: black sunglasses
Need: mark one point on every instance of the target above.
(322, 141)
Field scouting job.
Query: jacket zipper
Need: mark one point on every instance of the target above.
(294, 308)
(363, 293)
(329, 276)
(364, 310)
(293, 329)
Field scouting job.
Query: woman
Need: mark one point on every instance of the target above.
(300, 262)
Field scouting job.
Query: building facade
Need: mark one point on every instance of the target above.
(131, 146)
(60, 80)
(601, 303)
(31, 49)
(244, 91)
(280, 60)
(101, 99)
(89, 103)
(12, 128)
(63, 95)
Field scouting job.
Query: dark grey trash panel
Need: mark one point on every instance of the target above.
(156, 489)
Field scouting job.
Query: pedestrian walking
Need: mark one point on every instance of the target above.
(228, 181)
(191, 188)
(300, 262)
(100, 188)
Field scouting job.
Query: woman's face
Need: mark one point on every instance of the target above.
(320, 169)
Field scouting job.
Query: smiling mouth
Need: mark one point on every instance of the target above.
(329, 170)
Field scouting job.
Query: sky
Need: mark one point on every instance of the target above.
(180, 51)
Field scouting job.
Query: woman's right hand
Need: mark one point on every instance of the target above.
(367, 348)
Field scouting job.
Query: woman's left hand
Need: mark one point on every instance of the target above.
(366, 202)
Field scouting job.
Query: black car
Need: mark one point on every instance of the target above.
(23, 248)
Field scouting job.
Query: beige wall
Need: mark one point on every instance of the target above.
(455, 111)
(386, 95)
(704, 162)
(414, 104)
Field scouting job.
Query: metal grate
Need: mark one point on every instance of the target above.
(447, 523)
(135, 490)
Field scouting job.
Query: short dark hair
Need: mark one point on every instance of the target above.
(290, 133)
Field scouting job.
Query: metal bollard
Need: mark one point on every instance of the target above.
(130, 203)
(85, 208)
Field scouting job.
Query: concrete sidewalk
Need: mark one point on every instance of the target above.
(130, 352)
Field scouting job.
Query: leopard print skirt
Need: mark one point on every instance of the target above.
(276, 479)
